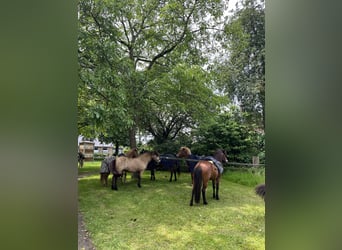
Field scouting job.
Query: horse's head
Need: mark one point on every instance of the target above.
(132, 153)
(221, 155)
(184, 152)
(155, 156)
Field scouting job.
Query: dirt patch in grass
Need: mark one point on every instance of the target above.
(84, 241)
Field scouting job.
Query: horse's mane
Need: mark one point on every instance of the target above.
(186, 149)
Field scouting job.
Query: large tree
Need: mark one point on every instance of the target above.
(125, 45)
(181, 99)
(242, 74)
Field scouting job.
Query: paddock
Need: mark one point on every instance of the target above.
(158, 215)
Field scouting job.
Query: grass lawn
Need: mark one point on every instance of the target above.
(158, 215)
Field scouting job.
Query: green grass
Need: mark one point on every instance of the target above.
(158, 215)
(90, 167)
(250, 177)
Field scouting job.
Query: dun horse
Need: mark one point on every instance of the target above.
(208, 168)
(106, 165)
(134, 165)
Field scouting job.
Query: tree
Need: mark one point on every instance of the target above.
(230, 131)
(243, 75)
(180, 100)
(122, 42)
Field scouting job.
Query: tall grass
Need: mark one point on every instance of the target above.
(248, 177)
(158, 215)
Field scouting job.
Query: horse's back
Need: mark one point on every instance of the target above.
(168, 161)
(131, 164)
(209, 170)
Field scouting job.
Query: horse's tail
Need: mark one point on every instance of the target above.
(261, 190)
(197, 183)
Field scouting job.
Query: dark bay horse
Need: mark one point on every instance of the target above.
(208, 168)
(134, 165)
(169, 162)
(80, 158)
(107, 163)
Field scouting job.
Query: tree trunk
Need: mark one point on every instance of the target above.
(116, 147)
(132, 140)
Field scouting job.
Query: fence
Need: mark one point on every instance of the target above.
(242, 165)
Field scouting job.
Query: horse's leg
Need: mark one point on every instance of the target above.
(171, 172)
(114, 182)
(153, 177)
(192, 196)
(204, 198)
(217, 187)
(123, 177)
(213, 181)
(205, 184)
(106, 179)
(175, 172)
(139, 179)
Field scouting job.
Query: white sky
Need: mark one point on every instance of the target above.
(231, 4)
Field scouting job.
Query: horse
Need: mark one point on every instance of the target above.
(208, 168)
(170, 162)
(134, 165)
(261, 191)
(107, 163)
(130, 154)
(80, 160)
(152, 166)
(191, 159)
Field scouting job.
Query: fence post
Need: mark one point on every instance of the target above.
(255, 161)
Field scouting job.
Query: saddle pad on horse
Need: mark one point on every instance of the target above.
(106, 164)
(216, 163)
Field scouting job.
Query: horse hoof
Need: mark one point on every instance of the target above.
(205, 203)
(190, 204)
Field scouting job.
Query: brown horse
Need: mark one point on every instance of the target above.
(107, 163)
(133, 165)
(208, 168)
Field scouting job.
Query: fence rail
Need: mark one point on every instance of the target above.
(228, 163)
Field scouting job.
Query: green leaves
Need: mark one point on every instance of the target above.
(244, 73)
(230, 131)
